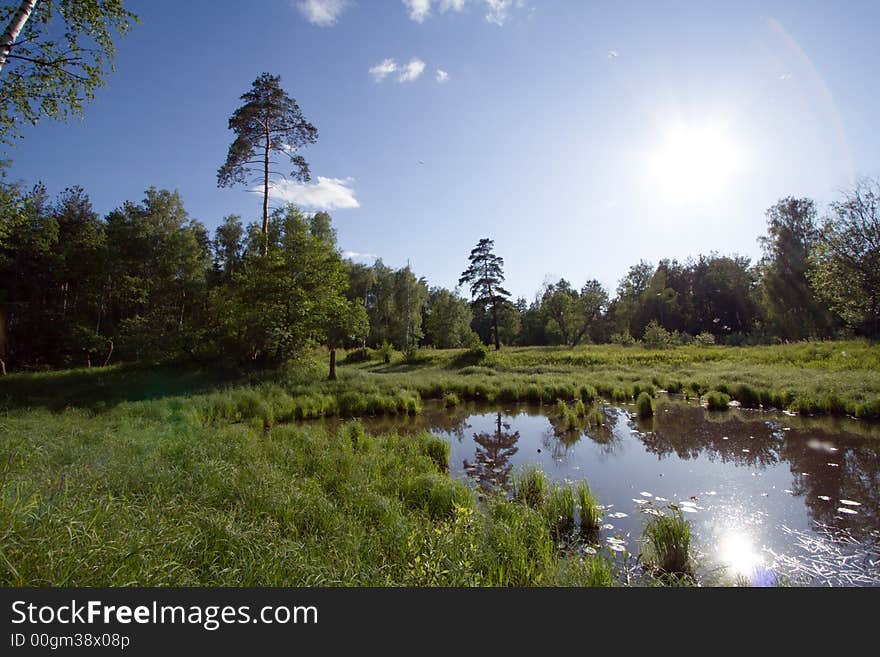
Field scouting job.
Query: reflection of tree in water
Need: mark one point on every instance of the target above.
(491, 466)
(434, 418)
(856, 477)
(691, 431)
(560, 437)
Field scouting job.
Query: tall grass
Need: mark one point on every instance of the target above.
(589, 509)
(666, 541)
(530, 487)
(645, 405)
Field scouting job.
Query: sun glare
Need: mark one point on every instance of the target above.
(737, 552)
(693, 162)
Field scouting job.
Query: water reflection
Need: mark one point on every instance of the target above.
(491, 465)
(765, 491)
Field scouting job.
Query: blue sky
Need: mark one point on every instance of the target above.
(580, 136)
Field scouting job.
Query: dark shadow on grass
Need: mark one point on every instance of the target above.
(100, 388)
(398, 366)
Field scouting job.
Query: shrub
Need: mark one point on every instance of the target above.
(587, 393)
(385, 351)
(656, 337)
(450, 399)
(473, 356)
(623, 338)
(717, 401)
(747, 395)
(705, 339)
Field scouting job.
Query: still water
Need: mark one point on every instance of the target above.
(771, 497)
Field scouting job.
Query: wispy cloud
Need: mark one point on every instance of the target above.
(412, 70)
(359, 257)
(441, 76)
(419, 10)
(325, 194)
(383, 69)
(498, 11)
(322, 12)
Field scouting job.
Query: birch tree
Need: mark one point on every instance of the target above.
(53, 56)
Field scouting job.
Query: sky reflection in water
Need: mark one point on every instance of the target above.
(760, 488)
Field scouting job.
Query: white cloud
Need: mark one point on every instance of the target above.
(497, 11)
(383, 69)
(360, 257)
(412, 70)
(322, 12)
(419, 10)
(326, 194)
(442, 76)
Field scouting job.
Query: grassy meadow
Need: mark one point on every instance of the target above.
(136, 475)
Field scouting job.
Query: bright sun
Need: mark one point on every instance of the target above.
(693, 163)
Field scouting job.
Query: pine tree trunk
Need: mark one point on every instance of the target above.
(10, 34)
(266, 192)
(495, 324)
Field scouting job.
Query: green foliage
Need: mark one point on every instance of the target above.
(438, 450)
(275, 304)
(705, 339)
(717, 401)
(746, 395)
(623, 338)
(385, 351)
(574, 315)
(59, 59)
(450, 399)
(448, 324)
(845, 270)
(644, 405)
(793, 311)
(656, 337)
(473, 356)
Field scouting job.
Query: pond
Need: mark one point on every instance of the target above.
(770, 496)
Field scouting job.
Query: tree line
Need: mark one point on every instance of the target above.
(149, 283)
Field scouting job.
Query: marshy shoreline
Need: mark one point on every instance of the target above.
(137, 475)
